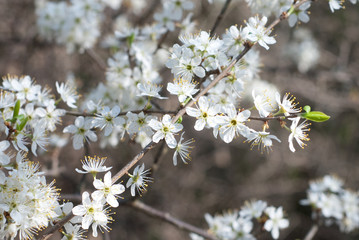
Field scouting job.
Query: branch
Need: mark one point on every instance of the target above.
(137, 158)
(84, 114)
(148, 13)
(274, 118)
(97, 59)
(180, 113)
(152, 212)
(161, 41)
(49, 231)
(219, 17)
(313, 230)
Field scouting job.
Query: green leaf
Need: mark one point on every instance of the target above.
(306, 108)
(16, 111)
(316, 116)
(130, 39)
(22, 124)
(179, 120)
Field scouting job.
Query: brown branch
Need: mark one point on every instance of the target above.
(311, 233)
(84, 114)
(49, 231)
(137, 158)
(148, 13)
(161, 41)
(152, 212)
(180, 113)
(97, 59)
(219, 17)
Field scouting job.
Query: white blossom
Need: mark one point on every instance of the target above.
(93, 165)
(299, 133)
(138, 180)
(67, 92)
(107, 119)
(165, 130)
(276, 221)
(183, 149)
(93, 213)
(82, 132)
(107, 190)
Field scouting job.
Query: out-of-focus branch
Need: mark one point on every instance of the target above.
(168, 218)
(161, 41)
(312, 231)
(219, 17)
(148, 13)
(97, 59)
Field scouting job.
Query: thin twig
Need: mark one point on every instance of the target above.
(76, 198)
(168, 218)
(129, 165)
(157, 158)
(161, 41)
(313, 230)
(147, 14)
(80, 186)
(219, 17)
(97, 59)
(84, 114)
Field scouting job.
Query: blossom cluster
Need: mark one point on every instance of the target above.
(303, 50)
(94, 210)
(276, 7)
(127, 103)
(27, 202)
(29, 112)
(75, 24)
(240, 225)
(331, 203)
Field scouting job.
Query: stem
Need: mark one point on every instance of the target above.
(97, 59)
(313, 230)
(274, 118)
(168, 218)
(219, 17)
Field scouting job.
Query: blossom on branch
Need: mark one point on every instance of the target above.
(138, 180)
(165, 129)
(256, 31)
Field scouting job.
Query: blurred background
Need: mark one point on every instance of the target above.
(220, 176)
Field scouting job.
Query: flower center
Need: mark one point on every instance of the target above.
(166, 129)
(141, 121)
(91, 210)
